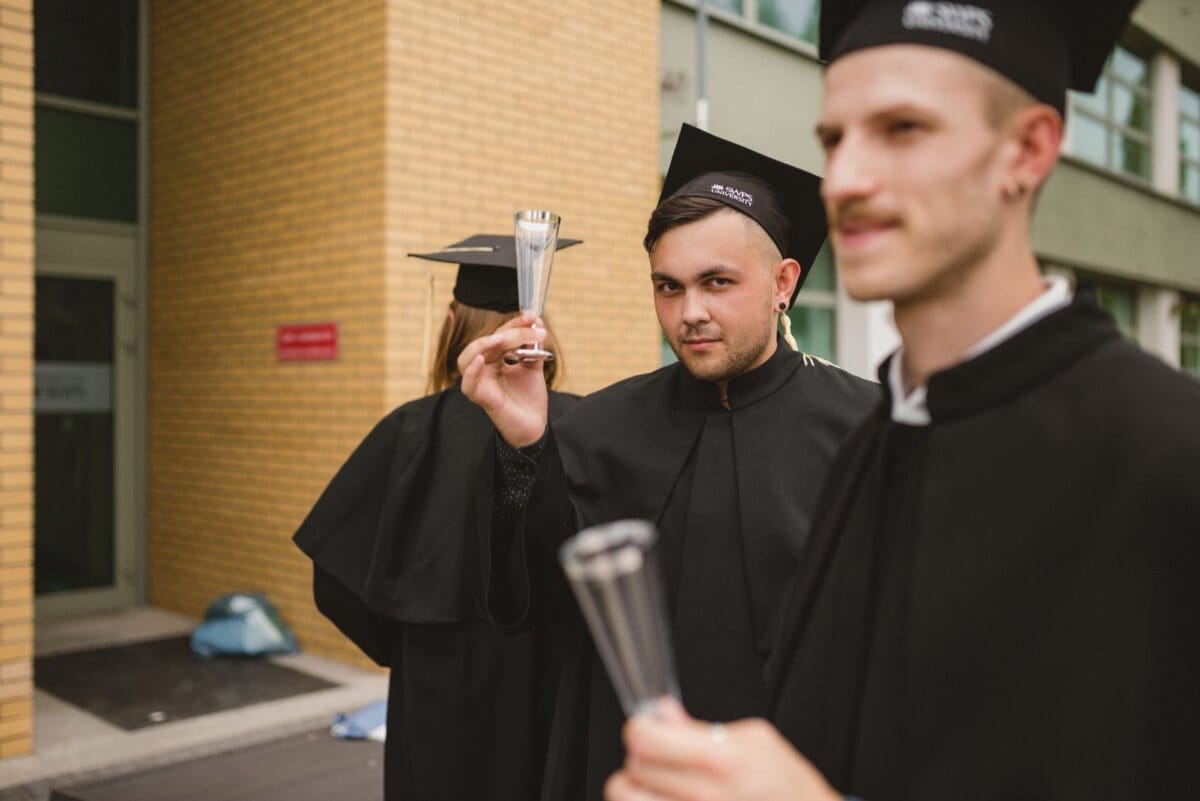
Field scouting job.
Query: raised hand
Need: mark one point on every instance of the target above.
(512, 392)
(673, 757)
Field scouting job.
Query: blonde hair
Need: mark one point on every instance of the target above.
(463, 325)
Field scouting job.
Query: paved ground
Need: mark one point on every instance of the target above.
(73, 747)
(304, 767)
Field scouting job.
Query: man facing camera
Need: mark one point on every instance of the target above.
(724, 451)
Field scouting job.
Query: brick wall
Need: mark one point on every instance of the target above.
(298, 151)
(266, 208)
(16, 377)
(490, 111)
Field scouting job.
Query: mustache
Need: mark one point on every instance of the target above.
(859, 211)
(701, 332)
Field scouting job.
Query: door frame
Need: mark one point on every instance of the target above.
(73, 248)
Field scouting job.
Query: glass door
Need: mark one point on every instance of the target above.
(85, 549)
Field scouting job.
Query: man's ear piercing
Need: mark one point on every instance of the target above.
(782, 306)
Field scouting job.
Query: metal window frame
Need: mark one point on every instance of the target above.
(1185, 118)
(1189, 338)
(1112, 58)
(750, 11)
(747, 20)
(134, 298)
(47, 100)
(1111, 124)
(1100, 283)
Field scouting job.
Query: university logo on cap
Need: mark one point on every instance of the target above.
(956, 19)
(733, 193)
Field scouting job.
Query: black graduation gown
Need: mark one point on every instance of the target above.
(1004, 604)
(731, 490)
(393, 571)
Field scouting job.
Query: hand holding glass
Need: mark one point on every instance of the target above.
(614, 573)
(536, 240)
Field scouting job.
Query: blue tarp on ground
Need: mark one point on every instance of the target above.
(242, 624)
(368, 723)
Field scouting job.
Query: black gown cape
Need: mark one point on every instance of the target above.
(731, 491)
(1005, 604)
(393, 571)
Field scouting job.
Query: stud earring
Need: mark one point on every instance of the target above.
(782, 306)
(1015, 191)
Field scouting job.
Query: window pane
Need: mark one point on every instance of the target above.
(1121, 303)
(1189, 102)
(794, 17)
(823, 276)
(726, 5)
(1128, 66)
(87, 50)
(1189, 359)
(1087, 139)
(73, 434)
(1189, 337)
(1189, 182)
(1133, 157)
(1189, 321)
(1096, 102)
(1189, 139)
(1130, 108)
(814, 330)
(85, 166)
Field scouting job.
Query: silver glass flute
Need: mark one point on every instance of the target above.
(536, 234)
(613, 570)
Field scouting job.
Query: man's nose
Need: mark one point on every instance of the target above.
(850, 173)
(695, 309)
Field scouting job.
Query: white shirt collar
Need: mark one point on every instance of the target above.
(912, 408)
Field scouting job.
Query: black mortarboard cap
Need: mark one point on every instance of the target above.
(784, 200)
(487, 270)
(1044, 46)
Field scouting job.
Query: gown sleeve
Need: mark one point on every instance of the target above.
(370, 631)
(522, 514)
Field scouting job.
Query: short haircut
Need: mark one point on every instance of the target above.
(675, 211)
(1002, 98)
(680, 210)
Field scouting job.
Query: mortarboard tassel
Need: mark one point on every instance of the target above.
(787, 331)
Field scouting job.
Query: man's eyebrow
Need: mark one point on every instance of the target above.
(711, 272)
(824, 130)
(901, 108)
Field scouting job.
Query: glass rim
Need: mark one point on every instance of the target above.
(536, 215)
(606, 539)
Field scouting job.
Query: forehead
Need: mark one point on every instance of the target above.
(929, 78)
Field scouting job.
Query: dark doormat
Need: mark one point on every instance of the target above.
(146, 683)
(305, 767)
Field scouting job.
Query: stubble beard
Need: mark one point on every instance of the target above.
(735, 362)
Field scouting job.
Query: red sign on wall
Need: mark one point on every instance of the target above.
(310, 342)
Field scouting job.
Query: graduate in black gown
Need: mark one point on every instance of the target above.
(393, 569)
(725, 451)
(1001, 595)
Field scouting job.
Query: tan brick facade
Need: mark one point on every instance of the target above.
(16, 377)
(298, 151)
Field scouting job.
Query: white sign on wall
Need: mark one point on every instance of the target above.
(72, 387)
